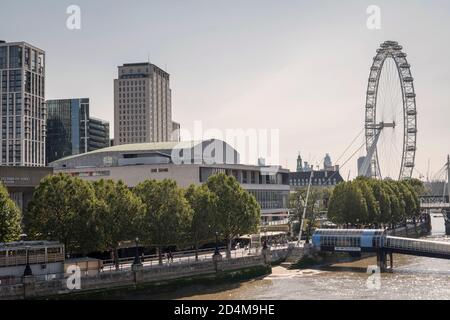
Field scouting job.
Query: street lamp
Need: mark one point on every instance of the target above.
(137, 260)
(27, 271)
(216, 251)
(265, 238)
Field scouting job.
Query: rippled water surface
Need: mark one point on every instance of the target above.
(413, 278)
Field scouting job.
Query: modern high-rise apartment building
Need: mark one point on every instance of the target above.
(142, 104)
(22, 101)
(71, 131)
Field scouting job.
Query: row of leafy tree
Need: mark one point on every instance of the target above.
(98, 216)
(365, 201)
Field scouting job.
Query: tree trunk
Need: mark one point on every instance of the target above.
(160, 258)
(116, 258)
(229, 248)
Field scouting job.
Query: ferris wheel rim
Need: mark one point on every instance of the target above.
(387, 50)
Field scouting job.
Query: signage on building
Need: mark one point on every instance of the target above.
(15, 180)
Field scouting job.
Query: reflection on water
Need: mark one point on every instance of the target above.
(413, 278)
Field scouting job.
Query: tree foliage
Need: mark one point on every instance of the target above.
(63, 208)
(119, 214)
(375, 202)
(237, 211)
(167, 217)
(203, 203)
(10, 217)
(317, 202)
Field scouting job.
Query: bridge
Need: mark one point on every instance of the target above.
(377, 241)
(429, 202)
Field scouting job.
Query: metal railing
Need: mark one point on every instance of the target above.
(418, 245)
(276, 222)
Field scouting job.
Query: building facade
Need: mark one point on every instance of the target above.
(135, 163)
(98, 136)
(319, 178)
(176, 136)
(67, 127)
(328, 176)
(21, 182)
(142, 104)
(70, 129)
(22, 101)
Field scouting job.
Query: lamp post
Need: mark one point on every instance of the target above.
(27, 271)
(216, 251)
(265, 238)
(137, 260)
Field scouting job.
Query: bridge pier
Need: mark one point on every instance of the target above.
(382, 261)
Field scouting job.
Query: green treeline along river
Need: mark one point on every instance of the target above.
(413, 278)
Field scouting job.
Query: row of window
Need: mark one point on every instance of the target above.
(314, 181)
(132, 140)
(128, 89)
(133, 94)
(125, 102)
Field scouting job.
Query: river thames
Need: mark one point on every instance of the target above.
(412, 278)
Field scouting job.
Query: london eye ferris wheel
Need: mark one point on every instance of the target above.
(390, 116)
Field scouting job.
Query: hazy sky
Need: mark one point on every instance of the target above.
(297, 66)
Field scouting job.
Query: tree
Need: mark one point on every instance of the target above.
(416, 188)
(336, 206)
(317, 200)
(120, 212)
(203, 203)
(373, 207)
(397, 204)
(238, 212)
(417, 185)
(63, 208)
(167, 217)
(383, 200)
(347, 204)
(10, 217)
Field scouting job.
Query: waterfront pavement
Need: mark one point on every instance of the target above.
(185, 258)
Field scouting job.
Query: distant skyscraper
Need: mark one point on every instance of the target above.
(360, 164)
(22, 101)
(70, 129)
(142, 104)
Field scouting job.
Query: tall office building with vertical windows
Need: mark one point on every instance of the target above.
(67, 127)
(22, 101)
(71, 131)
(142, 104)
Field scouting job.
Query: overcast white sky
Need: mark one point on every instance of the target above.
(297, 66)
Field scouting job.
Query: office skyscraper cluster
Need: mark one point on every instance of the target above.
(36, 132)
